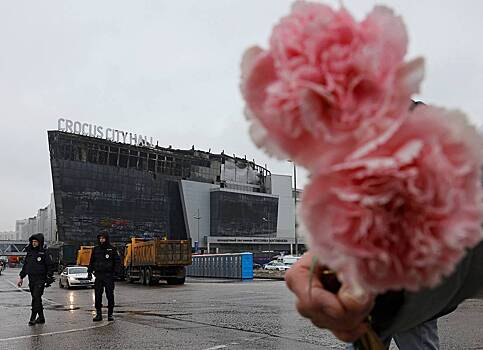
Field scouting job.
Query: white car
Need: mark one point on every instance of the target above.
(276, 265)
(289, 259)
(75, 276)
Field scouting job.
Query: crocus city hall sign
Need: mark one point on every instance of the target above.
(110, 134)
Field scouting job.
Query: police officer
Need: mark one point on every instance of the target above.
(39, 267)
(105, 264)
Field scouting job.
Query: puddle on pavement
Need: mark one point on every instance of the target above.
(149, 313)
(46, 307)
(62, 307)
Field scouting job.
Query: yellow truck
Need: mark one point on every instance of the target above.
(84, 255)
(150, 260)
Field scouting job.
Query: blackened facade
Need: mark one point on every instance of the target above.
(132, 190)
(242, 214)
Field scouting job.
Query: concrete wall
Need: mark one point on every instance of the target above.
(196, 196)
(282, 187)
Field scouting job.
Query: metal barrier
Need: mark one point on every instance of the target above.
(236, 265)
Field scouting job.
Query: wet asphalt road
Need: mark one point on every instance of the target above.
(202, 314)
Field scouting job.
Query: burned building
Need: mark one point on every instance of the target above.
(135, 190)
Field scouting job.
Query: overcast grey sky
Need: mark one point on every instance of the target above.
(170, 69)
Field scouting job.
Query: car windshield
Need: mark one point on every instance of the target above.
(76, 270)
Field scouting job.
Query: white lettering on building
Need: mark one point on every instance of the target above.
(92, 130)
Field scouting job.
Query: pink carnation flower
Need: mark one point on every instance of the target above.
(402, 215)
(328, 80)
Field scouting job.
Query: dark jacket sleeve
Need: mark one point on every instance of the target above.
(416, 308)
(90, 269)
(49, 264)
(24, 270)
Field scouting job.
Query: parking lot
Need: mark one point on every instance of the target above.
(203, 314)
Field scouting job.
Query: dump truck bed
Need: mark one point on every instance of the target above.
(161, 253)
(84, 255)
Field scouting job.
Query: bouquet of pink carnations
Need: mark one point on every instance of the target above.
(394, 199)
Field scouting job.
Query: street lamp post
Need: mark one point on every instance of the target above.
(198, 217)
(295, 206)
(269, 228)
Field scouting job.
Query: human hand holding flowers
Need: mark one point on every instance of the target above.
(394, 199)
(343, 313)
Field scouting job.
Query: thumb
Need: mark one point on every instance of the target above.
(356, 300)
